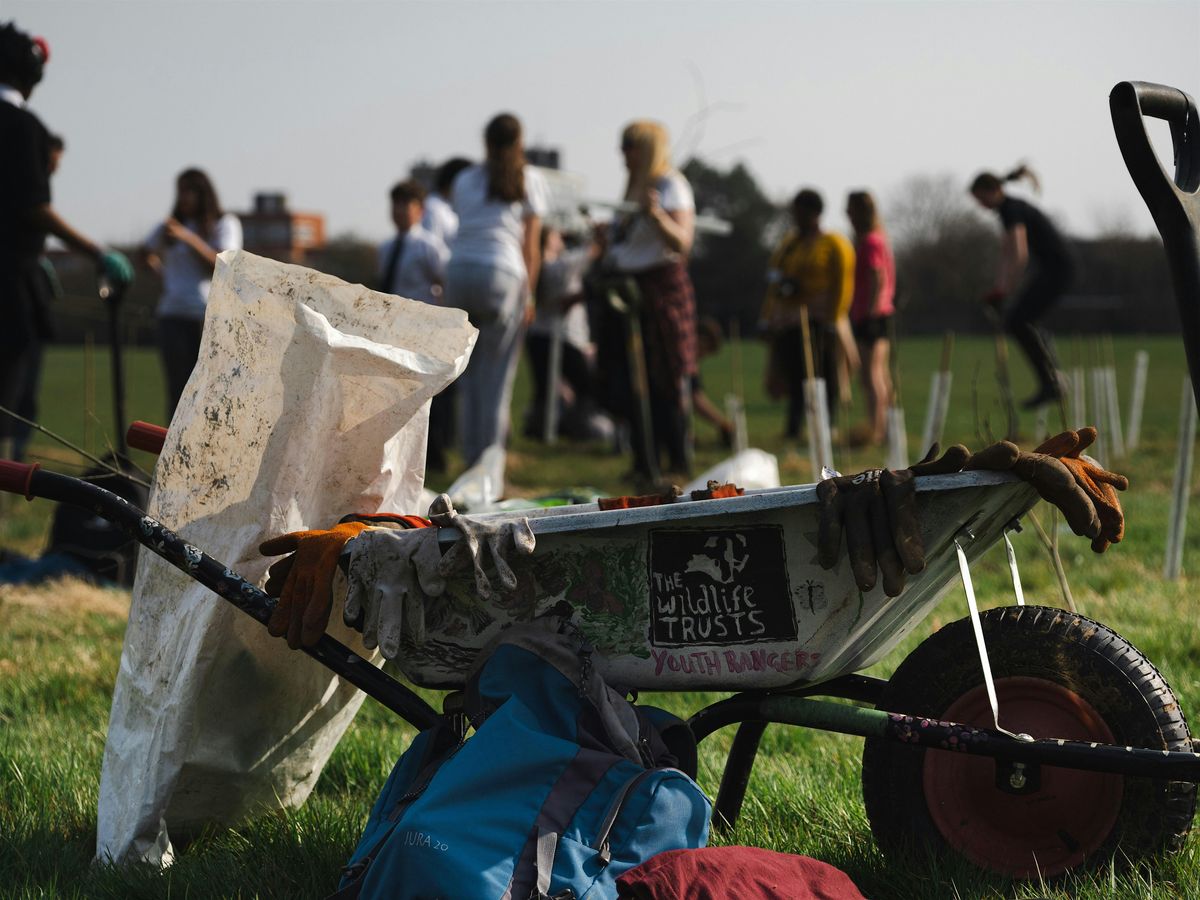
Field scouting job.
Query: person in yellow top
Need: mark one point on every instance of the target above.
(814, 270)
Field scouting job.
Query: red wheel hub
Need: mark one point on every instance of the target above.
(1046, 832)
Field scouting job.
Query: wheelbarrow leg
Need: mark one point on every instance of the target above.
(737, 775)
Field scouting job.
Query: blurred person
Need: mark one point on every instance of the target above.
(439, 218)
(708, 342)
(493, 271)
(871, 310)
(27, 405)
(183, 250)
(57, 148)
(1036, 270)
(651, 247)
(412, 263)
(560, 303)
(26, 218)
(809, 269)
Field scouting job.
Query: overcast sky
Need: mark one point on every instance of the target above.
(331, 102)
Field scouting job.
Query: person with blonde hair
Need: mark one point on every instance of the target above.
(872, 308)
(1036, 270)
(493, 271)
(650, 246)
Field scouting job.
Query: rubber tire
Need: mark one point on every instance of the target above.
(1076, 652)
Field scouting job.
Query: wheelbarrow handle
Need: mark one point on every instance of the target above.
(1173, 201)
(32, 481)
(146, 436)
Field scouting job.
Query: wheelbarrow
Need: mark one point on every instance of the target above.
(1029, 740)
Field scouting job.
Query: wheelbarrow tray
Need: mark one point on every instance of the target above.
(713, 594)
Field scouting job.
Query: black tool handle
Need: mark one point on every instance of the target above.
(112, 295)
(32, 481)
(1173, 201)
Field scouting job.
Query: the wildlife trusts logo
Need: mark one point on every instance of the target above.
(717, 587)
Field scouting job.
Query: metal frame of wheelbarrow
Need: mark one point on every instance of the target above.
(754, 709)
(1176, 209)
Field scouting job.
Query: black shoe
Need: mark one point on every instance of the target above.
(1047, 393)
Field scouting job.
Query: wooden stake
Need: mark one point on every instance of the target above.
(1181, 489)
(1005, 384)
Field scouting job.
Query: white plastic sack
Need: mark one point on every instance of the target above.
(751, 469)
(310, 400)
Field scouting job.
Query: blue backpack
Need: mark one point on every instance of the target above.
(564, 786)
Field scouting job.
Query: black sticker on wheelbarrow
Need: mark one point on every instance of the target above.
(719, 586)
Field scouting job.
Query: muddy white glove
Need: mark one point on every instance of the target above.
(391, 573)
(499, 538)
(387, 588)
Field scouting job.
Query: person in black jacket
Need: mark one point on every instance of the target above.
(26, 217)
(1036, 269)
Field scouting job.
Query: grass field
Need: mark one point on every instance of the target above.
(59, 647)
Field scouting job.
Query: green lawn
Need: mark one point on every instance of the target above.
(59, 648)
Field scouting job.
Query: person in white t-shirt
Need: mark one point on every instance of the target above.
(651, 245)
(183, 251)
(493, 270)
(439, 218)
(412, 263)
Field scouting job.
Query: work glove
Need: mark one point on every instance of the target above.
(1074, 483)
(116, 268)
(389, 577)
(303, 581)
(499, 538)
(877, 510)
(391, 573)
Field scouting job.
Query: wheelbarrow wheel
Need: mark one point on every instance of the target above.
(1057, 675)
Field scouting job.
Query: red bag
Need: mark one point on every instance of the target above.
(746, 873)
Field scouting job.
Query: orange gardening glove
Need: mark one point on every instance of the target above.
(1076, 485)
(1099, 484)
(303, 581)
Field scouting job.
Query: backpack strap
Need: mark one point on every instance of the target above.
(547, 845)
(443, 745)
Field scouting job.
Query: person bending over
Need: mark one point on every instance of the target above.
(1036, 270)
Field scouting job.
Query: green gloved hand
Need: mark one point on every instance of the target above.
(116, 267)
(303, 581)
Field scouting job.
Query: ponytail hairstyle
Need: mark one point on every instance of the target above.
(505, 159)
(863, 213)
(654, 161)
(208, 207)
(986, 182)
